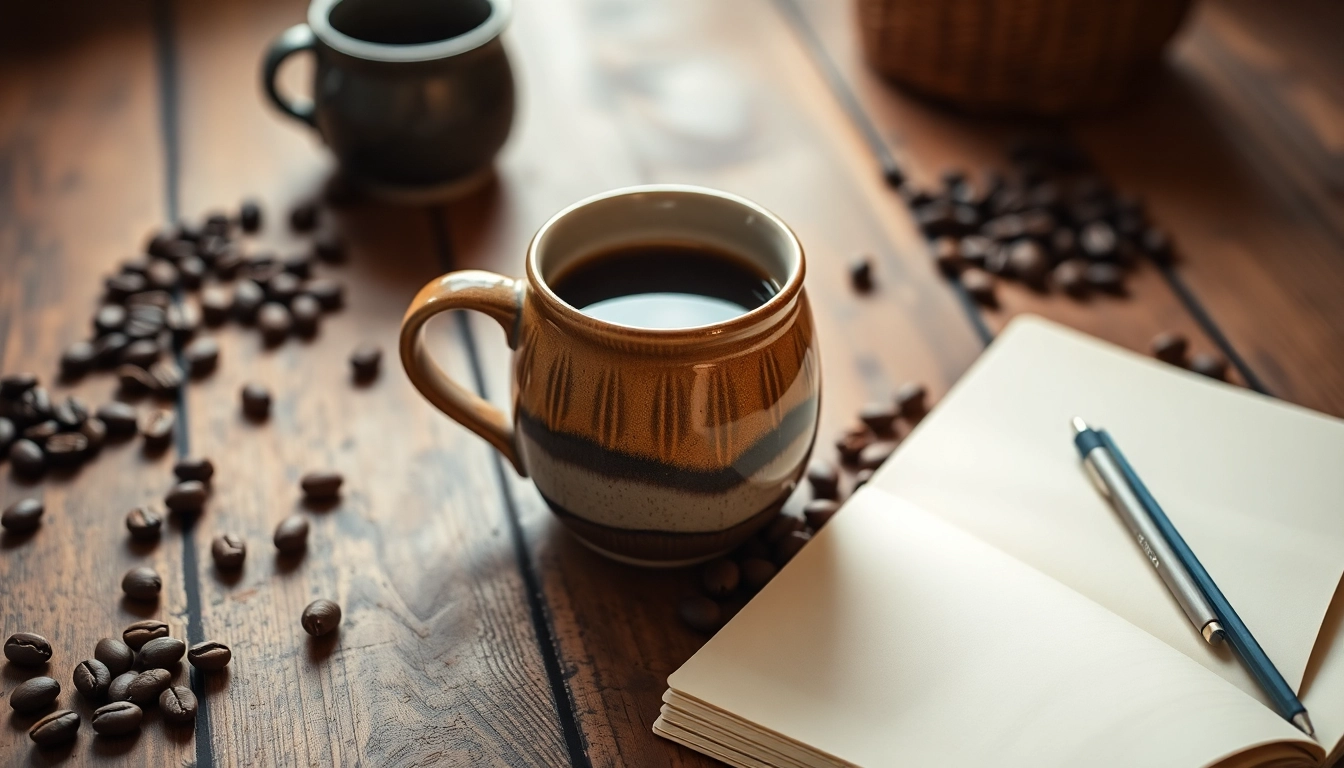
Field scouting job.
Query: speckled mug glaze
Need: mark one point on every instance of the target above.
(655, 447)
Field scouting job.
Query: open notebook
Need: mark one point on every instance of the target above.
(978, 603)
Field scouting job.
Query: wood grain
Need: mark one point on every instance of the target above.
(436, 661)
(80, 184)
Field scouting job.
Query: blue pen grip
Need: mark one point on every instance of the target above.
(1257, 661)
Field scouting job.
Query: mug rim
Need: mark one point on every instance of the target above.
(319, 19)
(772, 309)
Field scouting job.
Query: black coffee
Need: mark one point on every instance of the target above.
(664, 286)
(408, 22)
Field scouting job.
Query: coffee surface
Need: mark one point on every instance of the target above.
(664, 286)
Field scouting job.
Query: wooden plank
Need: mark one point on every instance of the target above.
(80, 184)
(625, 93)
(436, 661)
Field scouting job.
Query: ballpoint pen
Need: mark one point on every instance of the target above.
(1097, 448)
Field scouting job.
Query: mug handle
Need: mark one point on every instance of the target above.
(297, 38)
(499, 297)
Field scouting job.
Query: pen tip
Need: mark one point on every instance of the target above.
(1079, 425)
(1303, 724)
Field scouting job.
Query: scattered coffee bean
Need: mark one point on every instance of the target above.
(1027, 262)
(142, 353)
(59, 727)
(947, 255)
(142, 583)
(1098, 240)
(291, 535)
(121, 286)
(275, 322)
(1170, 347)
(256, 402)
(306, 313)
(108, 319)
(249, 216)
(202, 355)
(1156, 244)
(34, 694)
(321, 486)
(67, 449)
(107, 349)
(144, 524)
(22, 516)
(184, 320)
(187, 496)
(979, 285)
(95, 432)
(8, 434)
(146, 321)
(1070, 277)
(320, 617)
(160, 653)
(162, 275)
(92, 677)
(365, 361)
(191, 272)
(757, 572)
(77, 360)
(303, 217)
(824, 478)
(1208, 364)
(147, 685)
(217, 223)
(27, 649)
(200, 469)
(753, 547)
(720, 578)
(120, 687)
(282, 287)
(216, 305)
(228, 262)
(780, 527)
(71, 413)
(701, 614)
(229, 550)
(1106, 277)
(157, 428)
(329, 293)
(790, 545)
(862, 477)
(43, 431)
(141, 632)
(852, 442)
(118, 718)
(818, 512)
(329, 248)
(135, 381)
(861, 274)
(299, 265)
(261, 267)
(880, 418)
(912, 400)
(168, 378)
(209, 656)
(178, 705)
(115, 655)
(26, 458)
(121, 419)
(874, 455)
(247, 300)
(12, 385)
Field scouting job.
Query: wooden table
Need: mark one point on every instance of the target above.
(476, 631)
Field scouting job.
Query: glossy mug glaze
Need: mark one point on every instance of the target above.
(655, 447)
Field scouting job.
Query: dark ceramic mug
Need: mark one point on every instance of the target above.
(414, 97)
(655, 447)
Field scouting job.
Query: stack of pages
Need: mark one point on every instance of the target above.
(979, 603)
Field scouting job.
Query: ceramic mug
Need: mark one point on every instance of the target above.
(654, 447)
(414, 97)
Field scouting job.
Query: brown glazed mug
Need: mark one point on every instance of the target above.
(654, 447)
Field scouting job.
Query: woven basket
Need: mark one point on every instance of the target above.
(1032, 56)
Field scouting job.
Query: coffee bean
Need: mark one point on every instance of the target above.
(157, 427)
(144, 524)
(42, 431)
(92, 677)
(818, 512)
(95, 432)
(67, 449)
(120, 688)
(291, 535)
(261, 267)
(121, 419)
(780, 527)
(321, 486)
(22, 516)
(118, 718)
(947, 255)
(77, 360)
(789, 546)
(191, 271)
(13, 385)
(824, 478)
(35, 694)
(851, 442)
(202, 356)
(216, 305)
(247, 300)
(141, 632)
(168, 378)
(757, 572)
(121, 286)
(249, 216)
(329, 293)
(321, 617)
(299, 265)
(307, 313)
(147, 313)
(329, 248)
(135, 381)
(256, 402)
(283, 287)
(178, 705)
(160, 653)
(720, 578)
(1170, 347)
(142, 353)
(862, 477)
(912, 400)
(228, 262)
(365, 361)
(1209, 364)
(303, 217)
(275, 322)
(1028, 263)
(1098, 241)
(1069, 276)
(209, 656)
(8, 434)
(217, 223)
(861, 274)
(1105, 277)
(27, 649)
(30, 407)
(753, 547)
(107, 349)
(26, 458)
(879, 417)
(70, 413)
(162, 275)
(57, 728)
(115, 655)
(979, 285)
(1156, 244)
(147, 685)
(201, 469)
(701, 614)
(183, 321)
(186, 497)
(142, 583)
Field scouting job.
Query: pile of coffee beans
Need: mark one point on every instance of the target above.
(1174, 348)
(728, 583)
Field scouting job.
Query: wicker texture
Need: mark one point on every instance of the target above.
(1034, 56)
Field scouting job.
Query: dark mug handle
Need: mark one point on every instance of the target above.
(293, 40)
